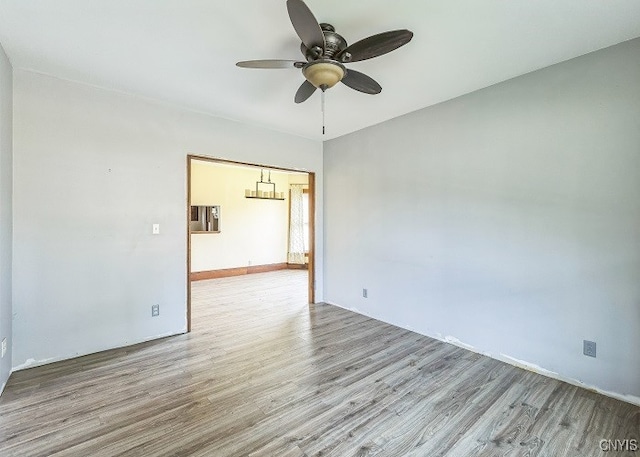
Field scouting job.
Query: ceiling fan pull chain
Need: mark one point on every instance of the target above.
(322, 108)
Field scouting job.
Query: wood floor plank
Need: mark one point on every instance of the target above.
(264, 374)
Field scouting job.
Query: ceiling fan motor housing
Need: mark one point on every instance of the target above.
(334, 44)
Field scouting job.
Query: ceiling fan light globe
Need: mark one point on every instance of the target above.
(324, 75)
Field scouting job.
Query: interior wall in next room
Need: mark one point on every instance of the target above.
(252, 231)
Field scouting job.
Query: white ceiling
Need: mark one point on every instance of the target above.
(184, 51)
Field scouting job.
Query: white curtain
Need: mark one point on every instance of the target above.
(296, 226)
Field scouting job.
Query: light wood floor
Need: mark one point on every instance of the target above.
(264, 374)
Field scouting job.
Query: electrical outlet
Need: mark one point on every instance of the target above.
(4, 346)
(155, 310)
(589, 348)
(364, 293)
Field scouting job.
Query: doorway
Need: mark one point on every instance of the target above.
(213, 222)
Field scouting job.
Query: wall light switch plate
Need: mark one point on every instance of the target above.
(156, 229)
(4, 346)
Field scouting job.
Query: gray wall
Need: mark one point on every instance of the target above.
(93, 170)
(507, 220)
(6, 189)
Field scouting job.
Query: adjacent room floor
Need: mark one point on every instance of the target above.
(264, 374)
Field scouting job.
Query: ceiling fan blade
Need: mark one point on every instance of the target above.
(270, 63)
(305, 24)
(305, 91)
(361, 82)
(376, 45)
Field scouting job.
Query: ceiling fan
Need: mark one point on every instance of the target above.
(326, 52)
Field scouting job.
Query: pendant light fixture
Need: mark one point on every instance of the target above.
(264, 194)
